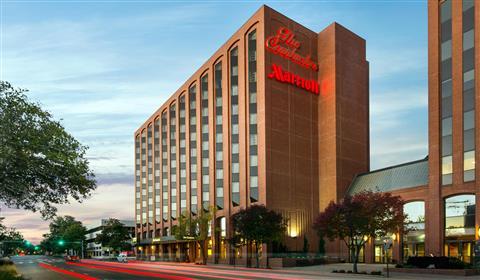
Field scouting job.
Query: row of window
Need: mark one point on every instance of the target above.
(169, 185)
(468, 91)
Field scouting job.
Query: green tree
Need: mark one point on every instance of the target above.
(11, 239)
(115, 235)
(66, 229)
(196, 228)
(358, 217)
(41, 163)
(257, 225)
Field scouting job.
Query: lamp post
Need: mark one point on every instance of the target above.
(387, 244)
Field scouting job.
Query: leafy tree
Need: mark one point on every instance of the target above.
(196, 228)
(65, 229)
(357, 217)
(41, 164)
(257, 225)
(11, 239)
(114, 235)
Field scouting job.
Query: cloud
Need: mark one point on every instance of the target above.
(110, 200)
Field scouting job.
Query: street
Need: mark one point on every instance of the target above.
(50, 268)
(44, 267)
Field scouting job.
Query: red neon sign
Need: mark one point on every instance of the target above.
(290, 78)
(283, 43)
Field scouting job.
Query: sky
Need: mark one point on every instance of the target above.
(103, 67)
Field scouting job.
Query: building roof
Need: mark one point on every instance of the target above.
(406, 175)
(97, 225)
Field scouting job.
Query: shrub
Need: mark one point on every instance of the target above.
(341, 271)
(362, 272)
(349, 271)
(6, 275)
(438, 262)
(334, 271)
(398, 265)
(376, 273)
(5, 262)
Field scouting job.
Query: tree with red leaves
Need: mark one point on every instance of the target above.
(358, 217)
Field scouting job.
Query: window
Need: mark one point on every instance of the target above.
(235, 196)
(205, 142)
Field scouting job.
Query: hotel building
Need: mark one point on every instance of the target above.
(279, 116)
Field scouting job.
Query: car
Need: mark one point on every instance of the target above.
(70, 258)
(122, 257)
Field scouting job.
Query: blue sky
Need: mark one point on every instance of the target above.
(103, 67)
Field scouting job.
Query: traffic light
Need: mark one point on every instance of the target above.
(28, 243)
(61, 242)
(36, 248)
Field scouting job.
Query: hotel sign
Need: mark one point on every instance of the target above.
(283, 43)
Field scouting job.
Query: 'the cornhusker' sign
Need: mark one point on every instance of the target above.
(283, 43)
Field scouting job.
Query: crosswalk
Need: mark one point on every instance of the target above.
(40, 261)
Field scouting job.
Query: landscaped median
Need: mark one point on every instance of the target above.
(8, 270)
(436, 265)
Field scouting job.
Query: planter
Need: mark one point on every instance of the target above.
(453, 272)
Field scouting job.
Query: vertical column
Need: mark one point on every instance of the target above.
(193, 148)
(234, 128)
(138, 209)
(468, 75)
(252, 116)
(157, 170)
(219, 185)
(433, 204)
(165, 199)
(183, 156)
(205, 164)
(173, 161)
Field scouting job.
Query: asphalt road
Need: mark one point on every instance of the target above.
(48, 268)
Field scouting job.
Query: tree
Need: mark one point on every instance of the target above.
(10, 238)
(358, 217)
(114, 235)
(41, 164)
(257, 225)
(65, 233)
(195, 228)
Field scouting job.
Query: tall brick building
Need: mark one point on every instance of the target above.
(277, 116)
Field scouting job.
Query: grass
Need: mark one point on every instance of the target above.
(9, 272)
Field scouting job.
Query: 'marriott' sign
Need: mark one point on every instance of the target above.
(283, 43)
(288, 77)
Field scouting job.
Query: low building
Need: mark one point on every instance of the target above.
(96, 250)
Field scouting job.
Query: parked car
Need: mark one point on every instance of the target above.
(70, 258)
(122, 257)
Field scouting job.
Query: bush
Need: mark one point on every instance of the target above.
(438, 262)
(349, 271)
(334, 271)
(341, 271)
(6, 275)
(5, 262)
(399, 265)
(376, 273)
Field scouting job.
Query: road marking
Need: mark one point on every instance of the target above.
(133, 272)
(66, 272)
